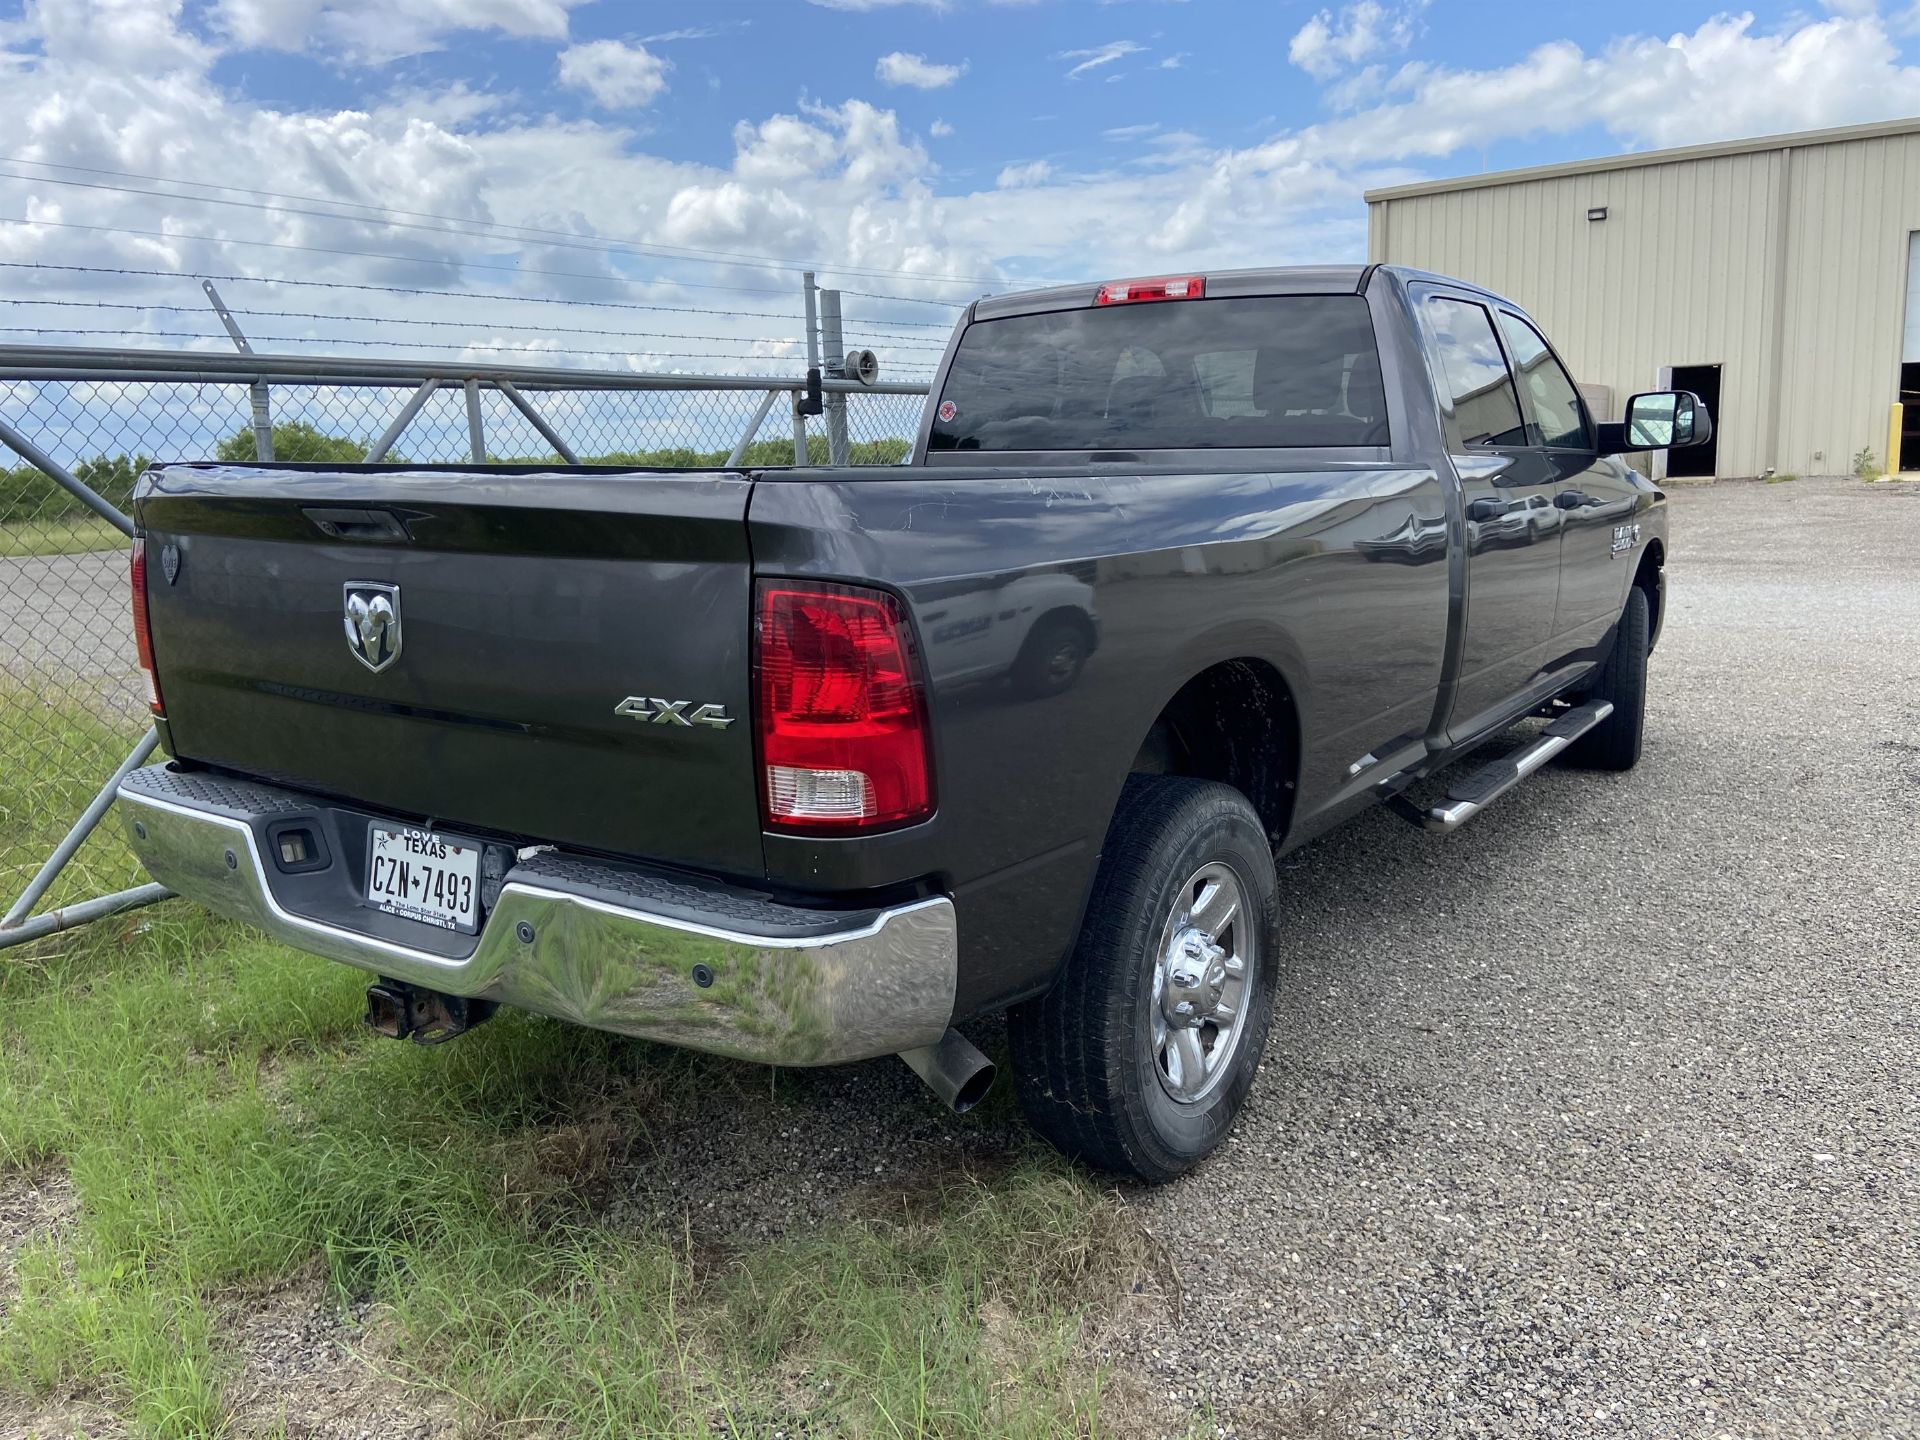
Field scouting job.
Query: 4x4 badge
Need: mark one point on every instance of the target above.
(673, 712)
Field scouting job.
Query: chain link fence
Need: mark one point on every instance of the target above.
(72, 702)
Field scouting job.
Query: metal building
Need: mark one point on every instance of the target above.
(1779, 278)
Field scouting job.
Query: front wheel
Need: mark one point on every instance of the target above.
(1141, 1055)
(1614, 744)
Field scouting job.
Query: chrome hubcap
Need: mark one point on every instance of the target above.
(1201, 984)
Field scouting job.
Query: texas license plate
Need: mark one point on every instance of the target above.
(423, 876)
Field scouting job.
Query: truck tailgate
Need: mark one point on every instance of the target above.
(530, 605)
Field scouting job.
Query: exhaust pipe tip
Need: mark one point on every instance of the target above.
(954, 1069)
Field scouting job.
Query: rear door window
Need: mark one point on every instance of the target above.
(1254, 372)
(1472, 373)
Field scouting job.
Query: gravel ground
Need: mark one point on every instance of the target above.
(1596, 1117)
(1593, 1119)
(1589, 1120)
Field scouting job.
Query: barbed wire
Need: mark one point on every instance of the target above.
(441, 260)
(910, 299)
(504, 296)
(886, 343)
(460, 226)
(417, 344)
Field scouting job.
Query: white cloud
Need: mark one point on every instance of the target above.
(617, 75)
(877, 4)
(1131, 132)
(900, 68)
(840, 183)
(144, 34)
(940, 130)
(1329, 43)
(695, 32)
(1099, 55)
(1021, 177)
(376, 31)
(782, 147)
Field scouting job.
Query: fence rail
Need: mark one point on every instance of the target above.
(85, 423)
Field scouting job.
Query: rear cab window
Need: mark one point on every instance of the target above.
(1236, 372)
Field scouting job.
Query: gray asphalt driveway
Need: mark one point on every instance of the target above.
(1598, 1117)
(66, 616)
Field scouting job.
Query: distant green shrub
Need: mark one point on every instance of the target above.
(27, 493)
(294, 440)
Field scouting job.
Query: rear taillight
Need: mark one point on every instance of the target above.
(1164, 287)
(143, 628)
(841, 707)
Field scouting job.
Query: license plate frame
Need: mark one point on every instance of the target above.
(426, 876)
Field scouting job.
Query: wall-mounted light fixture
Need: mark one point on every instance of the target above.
(1598, 212)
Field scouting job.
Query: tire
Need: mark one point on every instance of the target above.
(1088, 1057)
(1614, 744)
(1052, 657)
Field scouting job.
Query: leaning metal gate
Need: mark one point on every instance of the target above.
(71, 701)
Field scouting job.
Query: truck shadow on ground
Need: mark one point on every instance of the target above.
(734, 1152)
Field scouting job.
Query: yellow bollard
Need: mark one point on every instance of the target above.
(1894, 428)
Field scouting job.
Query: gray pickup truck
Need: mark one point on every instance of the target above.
(807, 766)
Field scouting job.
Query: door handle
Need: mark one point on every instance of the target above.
(1575, 499)
(1488, 508)
(378, 526)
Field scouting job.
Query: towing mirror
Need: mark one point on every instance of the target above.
(1659, 420)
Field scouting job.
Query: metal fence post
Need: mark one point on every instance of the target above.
(808, 291)
(400, 422)
(64, 477)
(538, 421)
(739, 451)
(260, 396)
(476, 425)
(835, 346)
(83, 827)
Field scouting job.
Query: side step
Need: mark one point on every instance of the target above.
(1475, 792)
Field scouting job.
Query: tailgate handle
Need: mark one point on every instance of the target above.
(375, 525)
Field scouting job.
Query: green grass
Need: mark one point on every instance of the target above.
(52, 762)
(227, 1125)
(65, 535)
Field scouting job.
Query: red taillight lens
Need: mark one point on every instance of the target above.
(1165, 287)
(143, 628)
(842, 711)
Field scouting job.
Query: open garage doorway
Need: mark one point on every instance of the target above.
(1704, 381)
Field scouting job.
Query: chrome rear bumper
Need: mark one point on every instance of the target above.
(595, 944)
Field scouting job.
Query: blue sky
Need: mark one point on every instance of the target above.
(688, 154)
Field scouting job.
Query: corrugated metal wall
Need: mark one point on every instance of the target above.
(1787, 267)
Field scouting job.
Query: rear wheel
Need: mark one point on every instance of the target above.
(1614, 744)
(1141, 1055)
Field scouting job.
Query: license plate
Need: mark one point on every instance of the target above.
(423, 876)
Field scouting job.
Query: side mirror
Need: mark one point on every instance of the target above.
(1659, 420)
